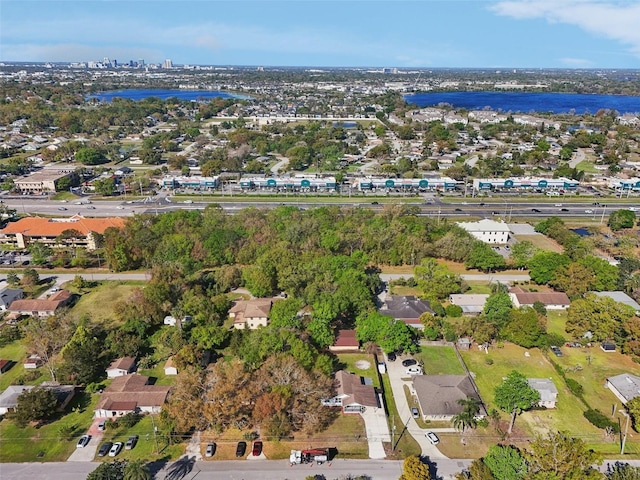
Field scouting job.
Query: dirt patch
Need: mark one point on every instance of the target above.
(363, 364)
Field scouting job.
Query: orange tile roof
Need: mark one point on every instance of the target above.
(52, 227)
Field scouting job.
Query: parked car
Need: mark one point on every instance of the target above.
(102, 425)
(131, 442)
(408, 362)
(83, 441)
(115, 449)
(432, 437)
(415, 413)
(391, 357)
(257, 448)
(241, 449)
(104, 449)
(414, 370)
(556, 351)
(211, 449)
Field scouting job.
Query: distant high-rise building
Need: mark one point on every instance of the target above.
(115, 63)
(106, 62)
(141, 63)
(167, 63)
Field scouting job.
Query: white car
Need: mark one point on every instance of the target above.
(414, 370)
(588, 211)
(432, 437)
(115, 450)
(83, 441)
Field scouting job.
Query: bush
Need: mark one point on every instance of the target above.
(488, 361)
(130, 419)
(454, 311)
(574, 386)
(600, 420)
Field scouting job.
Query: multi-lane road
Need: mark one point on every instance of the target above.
(474, 207)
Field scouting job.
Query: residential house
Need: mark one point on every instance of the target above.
(130, 393)
(170, 367)
(547, 390)
(551, 300)
(471, 303)
(487, 231)
(438, 395)
(620, 297)
(7, 296)
(9, 398)
(353, 394)
(345, 342)
(624, 386)
(251, 314)
(41, 307)
(121, 366)
(76, 231)
(406, 308)
(32, 362)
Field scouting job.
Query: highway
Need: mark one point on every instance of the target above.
(488, 209)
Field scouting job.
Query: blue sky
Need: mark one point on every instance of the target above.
(376, 33)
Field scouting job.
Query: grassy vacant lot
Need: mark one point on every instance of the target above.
(105, 295)
(350, 362)
(440, 360)
(541, 241)
(405, 444)
(44, 444)
(556, 321)
(568, 414)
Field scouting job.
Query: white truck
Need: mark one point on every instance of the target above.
(318, 455)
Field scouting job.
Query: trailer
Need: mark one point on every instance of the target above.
(318, 455)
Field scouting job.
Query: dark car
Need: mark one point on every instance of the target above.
(375, 203)
(556, 351)
(257, 448)
(535, 210)
(458, 210)
(564, 209)
(391, 357)
(211, 449)
(131, 442)
(408, 362)
(241, 449)
(104, 449)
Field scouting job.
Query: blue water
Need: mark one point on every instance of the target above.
(529, 102)
(141, 94)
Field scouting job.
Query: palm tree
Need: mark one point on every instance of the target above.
(467, 417)
(137, 470)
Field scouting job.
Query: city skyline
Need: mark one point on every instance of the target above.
(329, 33)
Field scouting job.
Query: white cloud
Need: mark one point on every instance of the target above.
(576, 62)
(619, 20)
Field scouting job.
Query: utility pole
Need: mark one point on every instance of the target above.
(155, 431)
(626, 430)
(604, 209)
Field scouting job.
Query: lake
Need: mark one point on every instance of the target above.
(528, 102)
(141, 94)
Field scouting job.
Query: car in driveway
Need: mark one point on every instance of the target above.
(104, 449)
(211, 449)
(83, 441)
(102, 426)
(257, 448)
(432, 437)
(131, 442)
(115, 449)
(408, 362)
(415, 413)
(241, 449)
(391, 357)
(414, 370)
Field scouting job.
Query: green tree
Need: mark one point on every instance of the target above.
(13, 279)
(467, 417)
(40, 252)
(506, 462)
(137, 470)
(105, 186)
(543, 266)
(90, 156)
(602, 316)
(514, 395)
(478, 470)
(633, 407)
(623, 471)
(606, 275)
(30, 277)
(414, 469)
(497, 308)
(435, 280)
(621, 219)
(525, 328)
(574, 279)
(484, 258)
(108, 471)
(522, 252)
(37, 404)
(558, 456)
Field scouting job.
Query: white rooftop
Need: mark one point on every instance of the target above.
(484, 225)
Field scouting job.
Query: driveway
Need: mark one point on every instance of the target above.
(396, 373)
(377, 428)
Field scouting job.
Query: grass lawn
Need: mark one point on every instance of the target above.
(587, 167)
(556, 321)
(405, 444)
(44, 444)
(353, 362)
(157, 372)
(541, 241)
(98, 302)
(439, 360)
(145, 449)
(478, 287)
(400, 290)
(568, 414)
(397, 269)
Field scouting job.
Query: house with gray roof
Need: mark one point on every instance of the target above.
(547, 390)
(438, 395)
(8, 295)
(471, 303)
(9, 398)
(624, 386)
(353, 393)
(620, 297)
(406, 308)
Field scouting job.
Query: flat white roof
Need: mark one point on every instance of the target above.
(484, 225)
